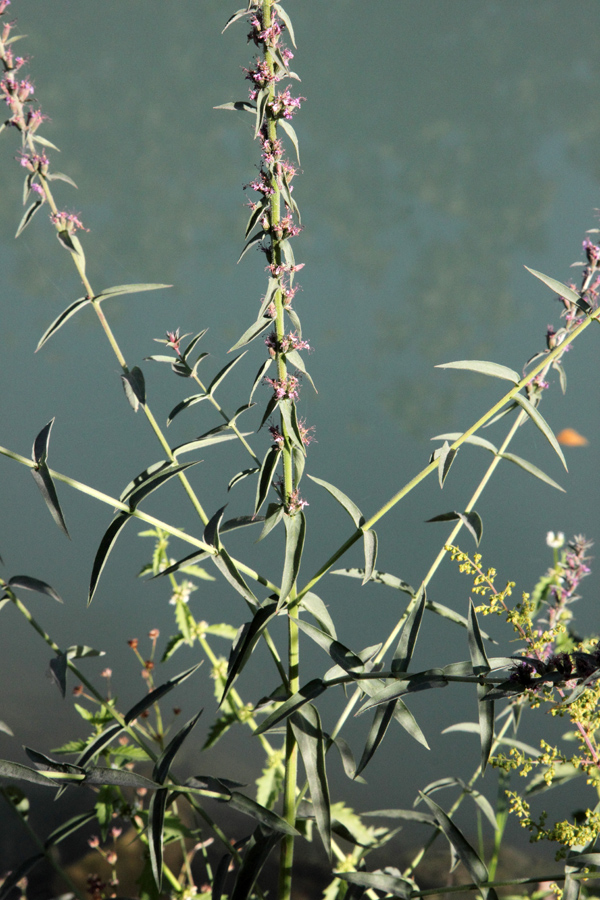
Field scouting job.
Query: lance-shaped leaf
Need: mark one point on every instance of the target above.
(252, 332)
(481, 666)
(159, 692)
(484, 368)
(99, 743)
(134, 387)
(251, 242)
(71, 242)
(238, 105)
(262, 99)
(185, 404)
(348, 504)
(538, 419)
(264, 816)
(156, 822)
(411, 815)
(68, 828)
(370, 548)
(121, 289)
(214, 436)
(295, 359)
(557, 286)
(97, 775)
(381, 720)
(319, 612)
(410, 633)
(471, 520)
(275, 513)
(106, 544)
(58, 671)
(245, 642)
(40, 759)
(409, 684)
(12, 880)
(295, 532)
(286, 19)
(378, 577)
(339, 653)
(445, 457)
(290, 418)
(289, 130)
(253, 862)
(308, 692)
(163, 763)
(241, 475)
(265, 478)
(473, 439)
(43, 479)
(60, 176)
(259, 377)
(18, 772)
(211, 530)
(380, 881)
(533, 470)
(255, 215)
(149, 481)
(467, 855)
(39, 451)
(29, 214)
(306, 726)
(227, 567)
(33, 584)
(223, 372)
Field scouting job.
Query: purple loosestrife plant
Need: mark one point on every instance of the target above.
(156, 806)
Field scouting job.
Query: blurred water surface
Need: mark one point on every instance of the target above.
(443, 147)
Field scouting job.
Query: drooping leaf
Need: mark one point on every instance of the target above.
(481, 666)
(378, 577)
(238, 105)
(295, 532)
(538, 419)
(241, 475)
(409, 684)
(68, 828)
(295, 359)
(151, 479)
(288, 22)
(319, 612)
(71, 242)
(262, 99)
(468, 856)
(134, 387)
(43, 479)
(106, 544)
(18, 772)
(308, 692)
(103, 775)
(445, 457)
(306, 725)
(164, 761)
(28, 216)
(211, 530)
(266, 817)
(409, 633)
(484, 368)
(265, 478)
(471, 520)
(58, 669)
(59, 176)
(214, 436)
(251, 242)
(185, 404)
(223, 372)
(33, 584)
(381, 881)
(340, 654)
(289, 130)
(259, 377)
(227, 567)
(245, 642)
(155, 695)
(156, 821)
(533, 470)
(253, 862)
(348, 504)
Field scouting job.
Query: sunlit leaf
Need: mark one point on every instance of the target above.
(252, 332)
(134, 387)
(227, 567)
(265, 478)
(533, 470)
(345, 501)
(538, 419)
(473, 439)
(238, 105)
(295, 532)
(319, 612)
(558, 287)
(306, 725)
(289, 130)
(156, 821)
(121, 289)
(29, 214)
(484, 368)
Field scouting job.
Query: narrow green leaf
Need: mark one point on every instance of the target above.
(252, 332)
(121, 289)
(255, 215)
(106, 544)
(58, 670)
(68, 828)
(557, 286)
(380, 578)
(409, 684)
(254, 859)
(468, 856)
(227, 567)
(349, 505)
(43, 479)
(156, 821)
(409, 633)
(306, 726)
(275, 513)
(134, 387)
(224, 371)
(164, 761)
(481, 666)
(484, 368)
(266, 476)
(155, 695)
(315, 606)
(271, 820)
(29, 214)
(308, 692)
(211, 531)
(262, 99)
(102, 775)
(252, 242)
(538, 419)
(289, 130)
(288, 22)
(370, 548)
(380, 881)
(238, 105)
(146, 486)
(471, 520)
(446, 613)
(246, 639)
(33, 584)
(38, 139)
(18, 772)
(39, 451)
(295, 359)
(295, 532)
(59, 176)
(259, 377)
(99, 743)
(193, 342)
(473, 439)
(290, 418)
(241, 475)
(72, 243)
(340, 654)
(240, 14)
(214, 436)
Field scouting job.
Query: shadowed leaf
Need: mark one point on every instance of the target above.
(481, 666)
(58, 669)
(158, 692)
(252, 332)
(227, 567)
(533, 470)
(156, 821)
(43, 479)
(134, 387)
(254, 859)
(33, 584)
(245, 642)
(29, 214)
(163, 763)
(11, 881)
(266, 476)
(106, 544)
(370, 548)
(309, 692)
(295, 531)
(306, 726)
(380, 881)
(185, 404)
(471, 520)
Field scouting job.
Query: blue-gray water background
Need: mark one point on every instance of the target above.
(443, 147)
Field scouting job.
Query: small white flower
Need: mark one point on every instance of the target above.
(555, 541)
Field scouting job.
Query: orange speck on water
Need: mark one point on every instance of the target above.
(568, 437)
